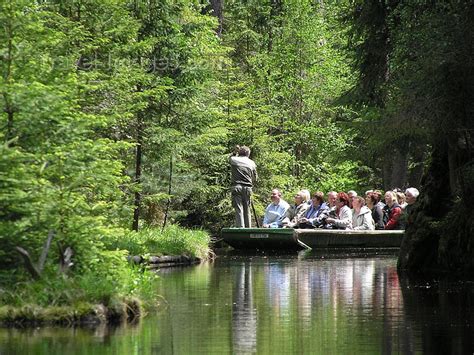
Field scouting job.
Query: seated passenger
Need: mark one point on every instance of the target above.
(411, 195)
(275, 211)
(297, 210)
(377, 212)
(351, 194)
(332, 197)
(392, 211)
(362, 216)
(379, 194)
(401, 198)
(343, 213)
(314, 216)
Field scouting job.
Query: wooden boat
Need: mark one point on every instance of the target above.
(294, 239)
(262, 238)
(324, 238)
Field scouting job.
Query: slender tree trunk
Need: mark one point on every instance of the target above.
(8, 76)
(386, 171)
(228, 94)
(138, 171)
(170, 179)
(274, 13)
(215, 8)
(217, 11)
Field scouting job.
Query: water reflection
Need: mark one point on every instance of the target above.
(332, 299)
(244, 316)
(442, 315)
(281, 305)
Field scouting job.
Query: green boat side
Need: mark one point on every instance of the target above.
(297, 239)
(321, 238)
(261, 238)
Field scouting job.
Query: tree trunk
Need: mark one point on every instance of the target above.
(8, 27)
(138, 171)
(216, 10)
(169, 192)
(276, 8)
(420, 246)
(399, 165)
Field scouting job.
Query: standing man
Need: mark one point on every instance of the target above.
(244, 175)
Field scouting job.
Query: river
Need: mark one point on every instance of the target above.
(308, 303)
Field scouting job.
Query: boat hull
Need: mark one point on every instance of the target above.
(327, 238)
(290, 239)
(261, 238)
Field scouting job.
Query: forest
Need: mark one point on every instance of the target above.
(118, 117)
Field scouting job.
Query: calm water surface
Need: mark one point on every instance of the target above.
(305, 304)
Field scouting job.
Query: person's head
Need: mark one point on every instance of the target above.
(411, 195)
(332, 196)
(302, 196)
(342, 200)
(371, 199)
(358, 202)
(351, 194)
(318, 198)
(244, 151)
(306, 195)
(378, 194)
(390, 198)
(401, 197)
(368, 192)
(275, 196)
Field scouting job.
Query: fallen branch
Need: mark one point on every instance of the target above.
(29, 263)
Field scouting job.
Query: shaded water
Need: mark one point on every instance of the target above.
(306, 304)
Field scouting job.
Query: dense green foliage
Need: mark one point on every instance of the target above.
(113, 107)
(119, 113)
(77, 78)
(414, 96)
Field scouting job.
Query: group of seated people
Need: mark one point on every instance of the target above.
(341, 210)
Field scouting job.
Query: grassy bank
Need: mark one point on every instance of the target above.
(106, 289)
(173, 240)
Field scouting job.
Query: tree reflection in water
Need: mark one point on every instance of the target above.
(318, 303)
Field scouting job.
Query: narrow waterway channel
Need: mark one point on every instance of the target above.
(297, 304)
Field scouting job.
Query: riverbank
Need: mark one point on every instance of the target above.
(116, 287)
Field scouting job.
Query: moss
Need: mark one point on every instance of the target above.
(58, 315)
(116, 312)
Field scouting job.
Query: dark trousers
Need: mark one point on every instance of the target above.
(241, 203)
